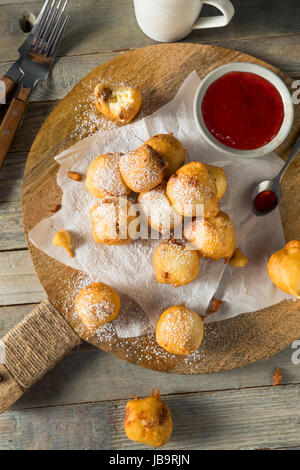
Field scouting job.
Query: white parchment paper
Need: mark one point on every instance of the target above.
(129, 268)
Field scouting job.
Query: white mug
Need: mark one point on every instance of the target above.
(171, 20)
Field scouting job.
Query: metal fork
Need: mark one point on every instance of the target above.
(35, 66)
(14, 75)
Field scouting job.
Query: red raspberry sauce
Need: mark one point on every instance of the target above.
(265, 201)
(243, 110)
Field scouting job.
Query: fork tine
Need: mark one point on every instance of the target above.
(40, 17)
(58, 38)
(50, 26)
(42, 27)
(41, 24)
(53, 35)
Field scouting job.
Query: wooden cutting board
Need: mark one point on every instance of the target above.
(159, 71)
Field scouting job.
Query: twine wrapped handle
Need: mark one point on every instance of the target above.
(31, 349)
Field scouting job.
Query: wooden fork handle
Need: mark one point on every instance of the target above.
(32, 348)
(6, 90)
(12, 120)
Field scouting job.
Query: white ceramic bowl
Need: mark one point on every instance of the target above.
(268, 75)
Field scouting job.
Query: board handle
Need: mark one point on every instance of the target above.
(12, 120)
(31, 349)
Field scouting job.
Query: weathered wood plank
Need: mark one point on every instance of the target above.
(111, 25)
(107, 26)
(11, 177)
(282, 52)
(257, 418)
(11, 227)
(65, 74)
(106, 377)
(9, 2)
(35, 115)
(18, 282)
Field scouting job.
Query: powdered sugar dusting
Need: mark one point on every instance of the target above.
(108, 178)
(142, 169)
(179, 263)
(131, 321)
(179, 329)
(129, 268)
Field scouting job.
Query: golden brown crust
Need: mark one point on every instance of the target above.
(104, 177)
(148, 421)
(142, 169)
(114, 221)
(97, 304)
(238, 260)
(213, 237)
(63, 240)
(193, 192)
(171, 150)
(219, 177)
(214, 306)
(73, 175)
(179, 330)
(277, 377)
(174, 264)
(284, 268)
(119, 104)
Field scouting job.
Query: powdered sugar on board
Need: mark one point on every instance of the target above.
(129, 268)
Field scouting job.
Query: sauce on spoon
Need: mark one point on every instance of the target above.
(265, 201)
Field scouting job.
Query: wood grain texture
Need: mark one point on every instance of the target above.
(11, 229)
(159, 71)
(261, 418)
(108, 378)
(19, 283)
(11, 121)
(111, 25)
(11, 177)
(35, 115)
(282, 52)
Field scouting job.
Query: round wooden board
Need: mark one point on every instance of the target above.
(159, 71)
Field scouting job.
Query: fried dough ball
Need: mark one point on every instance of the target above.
(157, 209)
(97, 304)
(148, 421)
(219, 177)
(238, 260)
(174, 264)
(119, 104)
(191, 187)
(213, 237)
(104, 177)
(63, 239)
(142, 169)
(179, 330)
(171, 150)
(284, 268)
(114, 221)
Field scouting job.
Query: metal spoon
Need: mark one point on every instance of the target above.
(274, 184)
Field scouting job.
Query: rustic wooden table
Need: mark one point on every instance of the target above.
(80, 404)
